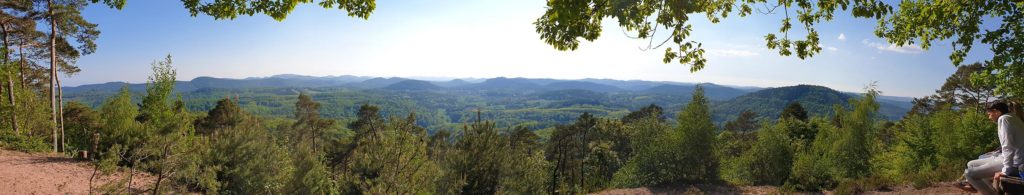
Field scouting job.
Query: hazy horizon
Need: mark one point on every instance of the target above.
(485, 40)
(481, 79)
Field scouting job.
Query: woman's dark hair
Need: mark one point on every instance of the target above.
(999, 106)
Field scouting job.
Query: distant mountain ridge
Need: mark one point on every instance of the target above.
(292, 80)
(726, 100)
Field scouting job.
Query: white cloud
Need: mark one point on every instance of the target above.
(829, 48)
(842, 37)
(732, 53)
(911, 49)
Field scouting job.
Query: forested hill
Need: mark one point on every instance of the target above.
(816, 100)
(446, 104)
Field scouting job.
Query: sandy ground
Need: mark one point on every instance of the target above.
(937, 189)
(22, 173)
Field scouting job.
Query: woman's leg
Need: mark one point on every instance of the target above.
(979, 173)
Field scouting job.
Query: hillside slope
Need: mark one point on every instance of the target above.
(816, 100)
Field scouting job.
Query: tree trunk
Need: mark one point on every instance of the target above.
(95, 143)
(10, 81)
(53, 71)
(95, 167)
(162, 170)
(131, 175)
(6, 44)
(21, 65)
(14, 105)
(60, 113)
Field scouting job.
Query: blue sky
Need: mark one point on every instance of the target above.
(481, 39)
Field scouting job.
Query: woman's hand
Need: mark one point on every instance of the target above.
(997, 175)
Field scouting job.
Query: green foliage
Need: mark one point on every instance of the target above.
(913, 22)
(811, 167)
(685, 154)
(25, 143)
(841, 152)
(769, 160)
(391, 159)
(67, 19)
(586, 154)
(311, 175)
(479, 158)
(199, 171)
(107, 163)
(794, 110)
(247, 159)
(566, 21)
(645, 132)
(169, 146)
(119, 125)
(651, 111)
(155, 105)
(568, 151)
(852, 149)
(931, 148)
(309, 128)
(484, 160)
(230, 9)
(696, 133)
(525, 167)
(226, 114)
(813, 100)
(81, 122)
(922, 22)
(732, 144)
(746, 122)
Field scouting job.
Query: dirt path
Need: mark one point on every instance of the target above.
(22, 173)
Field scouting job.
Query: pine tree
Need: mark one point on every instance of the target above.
(391, 159)
(746, 122)
(311, 174)
(119, 125)
(224, 115)
(568, 151)
(83, 123)
(479, 157)
(309, 128)
(524, 167)
(695, 140)
(652, 110)
(794, 110)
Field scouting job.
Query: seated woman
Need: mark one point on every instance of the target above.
(980, 173)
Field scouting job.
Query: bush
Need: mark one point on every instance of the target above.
(626, 177)
(770, 159)
(810, 170)
(23, 143)
(933, 147)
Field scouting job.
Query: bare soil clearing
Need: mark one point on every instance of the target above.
(22, 173)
